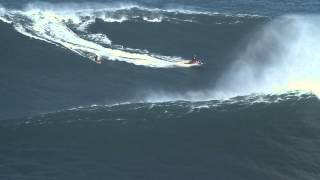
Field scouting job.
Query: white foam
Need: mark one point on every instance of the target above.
(2, 15)
(84, 25)
(159, 19)
(79, 7)
(4, 20)
(23, 31)
(119, 20)
(106, 11)
(50, 26)
(99, 38)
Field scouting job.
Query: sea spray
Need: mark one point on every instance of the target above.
(283, 56)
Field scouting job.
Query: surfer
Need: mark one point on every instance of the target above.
(97, 59)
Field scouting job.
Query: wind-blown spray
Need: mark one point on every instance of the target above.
(283, 56)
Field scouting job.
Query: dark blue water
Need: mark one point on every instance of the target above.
(250, 112)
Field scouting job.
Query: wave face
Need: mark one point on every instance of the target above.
(264, 137)
(250, 112)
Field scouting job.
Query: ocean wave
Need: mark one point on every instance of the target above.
(121, 12)
(287, 38)
(99, 38)
(121, 7)
(271, 62)
(55, 28)
(54, 23)
(164, 110)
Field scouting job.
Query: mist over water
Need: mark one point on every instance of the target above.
(282, 56)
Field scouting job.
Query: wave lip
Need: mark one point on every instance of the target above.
(163, 110)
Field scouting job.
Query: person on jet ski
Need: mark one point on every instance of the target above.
(97, 59)
(194, 60)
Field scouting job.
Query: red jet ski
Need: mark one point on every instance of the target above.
(195, 61)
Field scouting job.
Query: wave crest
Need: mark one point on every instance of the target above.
(165, 110)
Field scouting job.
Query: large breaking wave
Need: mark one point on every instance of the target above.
(65, 25)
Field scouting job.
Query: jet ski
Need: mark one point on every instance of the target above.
(195, 61)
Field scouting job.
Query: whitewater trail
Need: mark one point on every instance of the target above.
(55, 23)
(52, 27)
